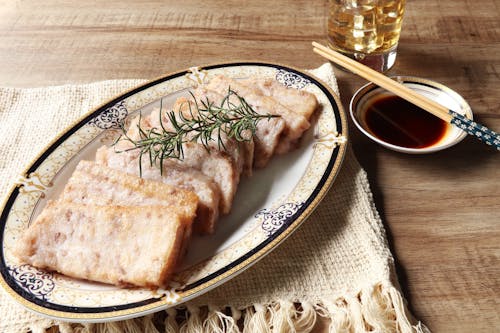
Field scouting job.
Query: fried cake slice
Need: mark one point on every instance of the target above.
(93, 183)
(189, 179)
(298, 101)
(111, 244)
(268, 133)
(214, 163)
(295, 123)
(241, 153)
(96, 184)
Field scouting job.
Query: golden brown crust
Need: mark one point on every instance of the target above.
(190, 179)
(112, 244)
(97, 184)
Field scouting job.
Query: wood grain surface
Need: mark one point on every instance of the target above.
(441, 211)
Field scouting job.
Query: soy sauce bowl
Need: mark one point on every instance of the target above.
(449, 135)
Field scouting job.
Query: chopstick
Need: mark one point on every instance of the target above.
(470, 127)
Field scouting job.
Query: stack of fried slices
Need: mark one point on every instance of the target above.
(117, 224)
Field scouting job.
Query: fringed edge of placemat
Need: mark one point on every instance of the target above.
(377, 308)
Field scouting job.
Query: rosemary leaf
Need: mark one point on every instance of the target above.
(234, 118)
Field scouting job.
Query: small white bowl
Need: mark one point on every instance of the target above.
(433, 90)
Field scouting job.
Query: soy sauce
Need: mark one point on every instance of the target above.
(399, 122)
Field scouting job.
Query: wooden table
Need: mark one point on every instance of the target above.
(442, 211)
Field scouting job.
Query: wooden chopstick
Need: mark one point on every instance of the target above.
(385, 82)
(470, 127)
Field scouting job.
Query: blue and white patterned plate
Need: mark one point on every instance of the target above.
(268, 207)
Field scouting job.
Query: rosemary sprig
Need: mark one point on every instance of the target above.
(234, 118)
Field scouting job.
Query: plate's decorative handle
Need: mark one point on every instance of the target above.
(481, 132)
(331, 140)
(170, 296)
(33, 183)
(197, 75)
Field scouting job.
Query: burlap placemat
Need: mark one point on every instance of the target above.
(337, 265)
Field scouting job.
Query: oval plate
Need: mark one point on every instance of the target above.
(268, 207)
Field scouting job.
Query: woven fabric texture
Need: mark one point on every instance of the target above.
(340, 250)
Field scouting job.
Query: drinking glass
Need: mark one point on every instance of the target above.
(366, 30)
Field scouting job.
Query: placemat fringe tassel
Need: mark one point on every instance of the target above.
(375, 309)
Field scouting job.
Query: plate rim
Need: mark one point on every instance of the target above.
(250, 258)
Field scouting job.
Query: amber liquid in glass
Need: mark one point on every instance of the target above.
(363, 28)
